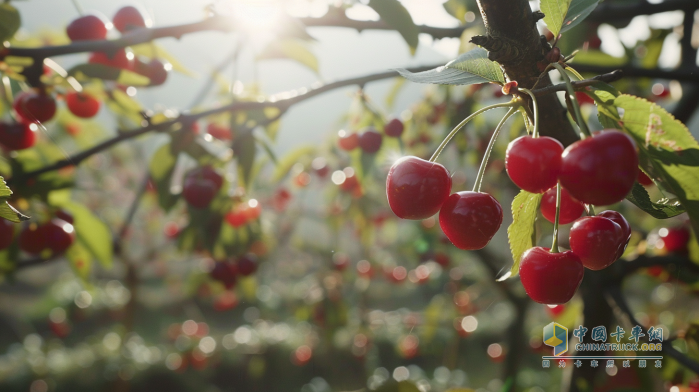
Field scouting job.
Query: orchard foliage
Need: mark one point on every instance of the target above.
(200, 257)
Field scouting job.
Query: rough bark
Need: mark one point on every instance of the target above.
(513, 40)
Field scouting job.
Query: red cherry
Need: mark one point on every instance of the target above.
(89, 27)
(394, 128)
(16, 136)
(155, 70)
(199, 192)
(571, 209)
(225, 273)
(128, 18)
(209, 173)
(7, 233)
(534, 163)
(236, 218)
(470, 219)
(247, 265)
(643, 179)
(596, 240)
(30, 240)
(550, 278)
(32, 106)
(82, 104)
(348, 141)
(625, 229)
(674, 239)
(119, 59)
(600, 169)
(220, 132)
(58, 235)
(252, 210)
(370, 141)
(583, 98)
(65, 215)
(351, 182)
(416, 188)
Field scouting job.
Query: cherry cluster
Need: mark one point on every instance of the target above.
(598, 170)
(37, 105)
(228, 271)
(369, 139)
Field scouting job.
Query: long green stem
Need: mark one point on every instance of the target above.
(536, 111)
(554, 245)
(576, 106)
(489, 149)
(464, 122)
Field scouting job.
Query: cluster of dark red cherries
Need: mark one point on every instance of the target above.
(48, 239)
(598, 170)
(369, 139)
(228, 271)
(37, 105)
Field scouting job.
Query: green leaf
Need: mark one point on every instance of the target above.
(244, 148)
(597, 57)
(4, 189)
(456, 8)
(10, 21)
(469, 68)
(667, 151)
(91, 233)
(521, 232)
(662, 209)
(290, 48)
(398, 17)
(161, 167)
(80, 260)
(10, 213)
(555, 12)
(577, 12)
(105, 72)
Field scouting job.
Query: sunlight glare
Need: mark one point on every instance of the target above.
(256, 15)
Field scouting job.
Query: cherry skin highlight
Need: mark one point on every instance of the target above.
(16, 136)
(675, 239)
(533, 164)
(571, 209)
(416, 188)
(601, 169)
(596, 240)
(82, 105)
(470, 219)
(550, 278)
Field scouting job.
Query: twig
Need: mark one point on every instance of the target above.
(281, 101)
(607, 12)
(135, 37)
(608, 78)
(681, 74)
(618, 298)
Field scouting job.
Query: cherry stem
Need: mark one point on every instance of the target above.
(554, 245)
(584, 130)
(536, 111)
(464, 122)
(489, 149)
(78, 7)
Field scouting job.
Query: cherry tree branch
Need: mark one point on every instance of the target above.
(607, 78)
(281, 101)
(134, 37)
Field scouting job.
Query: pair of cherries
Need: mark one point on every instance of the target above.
(418, 189)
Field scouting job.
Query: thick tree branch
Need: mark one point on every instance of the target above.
(282, 101)
(135, 37)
